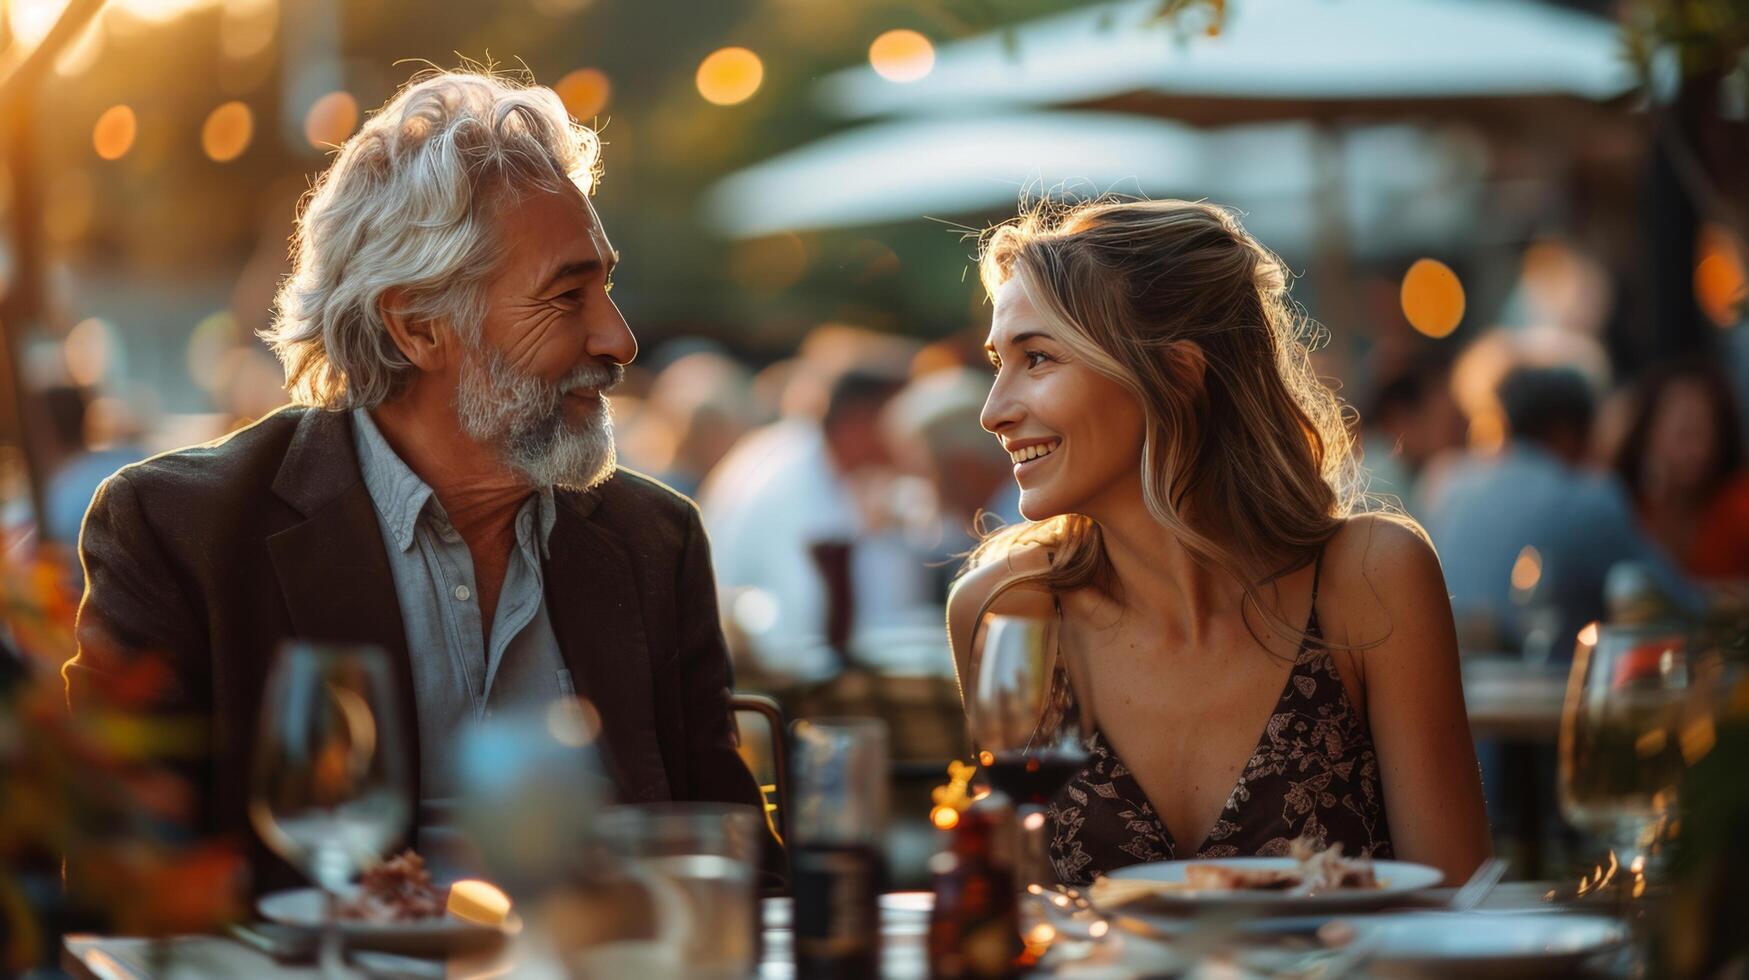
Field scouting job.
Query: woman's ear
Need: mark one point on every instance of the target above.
(421, 341)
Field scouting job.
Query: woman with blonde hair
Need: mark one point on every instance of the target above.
(1190, 500)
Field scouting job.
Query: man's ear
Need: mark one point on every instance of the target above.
(420, 340)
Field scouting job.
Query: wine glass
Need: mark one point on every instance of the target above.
(329, 791)
(1030, 720)
(1634, 699)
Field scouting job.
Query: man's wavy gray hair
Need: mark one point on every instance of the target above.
(409, 203)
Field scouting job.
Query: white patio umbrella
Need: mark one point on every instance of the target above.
(946, 167)
(1271, 59)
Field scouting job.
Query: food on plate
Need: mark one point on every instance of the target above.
(1315, 872)
(1328, 870)
(397, 890)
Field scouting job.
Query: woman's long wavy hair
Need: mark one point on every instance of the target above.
(1246, 456)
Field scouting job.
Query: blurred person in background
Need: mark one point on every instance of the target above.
(1536, 494)
(445, 487)
(1190, 494)
(935, 429)
(705, 399)
(1682, 462)
(806, 547)
(1414, 420)
(110, 431)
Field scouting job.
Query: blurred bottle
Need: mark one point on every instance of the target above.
(974, 929)
(838, 870)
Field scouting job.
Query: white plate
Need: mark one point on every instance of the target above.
(1396, 878)
(1471, 944)
(305, 908)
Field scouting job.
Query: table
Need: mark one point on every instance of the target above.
(1511, 700)
(904, 927)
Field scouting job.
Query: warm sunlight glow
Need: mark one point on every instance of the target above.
(246, 27)
(585, 93)
(114, 133)
(30, 20)
(730, 75)
(159, 11)
(1719, 279)
(902, 56)
(330, 120)
(69, 204)
(227, 132)
(1433, 298)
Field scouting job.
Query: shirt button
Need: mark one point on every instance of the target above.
(462, 592)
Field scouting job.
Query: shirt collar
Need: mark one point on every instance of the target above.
(398, 492)
(401, 497)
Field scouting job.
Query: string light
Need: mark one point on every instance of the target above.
(729, 76)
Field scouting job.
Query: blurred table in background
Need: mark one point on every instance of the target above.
(1515, 712)
(1511, 700)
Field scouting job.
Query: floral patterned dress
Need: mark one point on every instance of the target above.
(1313, 774)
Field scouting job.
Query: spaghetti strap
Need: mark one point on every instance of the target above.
(1317, 570)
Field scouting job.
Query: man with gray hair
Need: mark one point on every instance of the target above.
(444, 486)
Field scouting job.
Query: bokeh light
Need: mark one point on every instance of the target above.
(30, 20)
(246, 27)
(730, 75)
(1433, 298)
(81, 56)
(89, 349)
(1527, 569)
(1719, 278)
(227, 132)
(770, 264)
(113, 136)
(585, 93)
(330, 120)
(902, 56)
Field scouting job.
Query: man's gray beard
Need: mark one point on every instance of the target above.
(524, 417)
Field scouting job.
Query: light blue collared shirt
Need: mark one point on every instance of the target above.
(457, 679)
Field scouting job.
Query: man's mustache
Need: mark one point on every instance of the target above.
(593, 377)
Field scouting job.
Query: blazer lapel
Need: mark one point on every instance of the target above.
(332, 567)
(598, 619)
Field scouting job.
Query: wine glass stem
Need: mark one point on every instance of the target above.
(330, 956)
(1035, 850)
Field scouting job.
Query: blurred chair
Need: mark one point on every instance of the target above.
(765, 747)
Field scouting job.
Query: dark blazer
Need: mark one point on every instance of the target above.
(211, 556)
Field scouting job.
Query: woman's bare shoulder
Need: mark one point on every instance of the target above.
(972, 591)
(985, 588)
(1381, 575)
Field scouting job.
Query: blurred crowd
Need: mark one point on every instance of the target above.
(842, 485)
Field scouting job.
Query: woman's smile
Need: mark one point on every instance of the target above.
(1031, 454)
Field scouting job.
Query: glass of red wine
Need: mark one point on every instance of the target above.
(1030, 720)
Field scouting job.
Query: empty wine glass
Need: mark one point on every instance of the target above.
(1639, 700)
(330, 787)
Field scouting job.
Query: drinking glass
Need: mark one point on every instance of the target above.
(329, 791)
(689, 868)
(1030, 720)
(837, 859)
(1641, 703)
